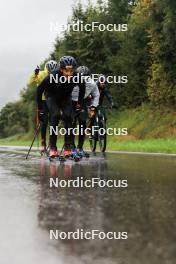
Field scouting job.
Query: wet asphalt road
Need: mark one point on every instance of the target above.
(29, 208)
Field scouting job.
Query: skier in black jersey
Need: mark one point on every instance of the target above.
(58, 88)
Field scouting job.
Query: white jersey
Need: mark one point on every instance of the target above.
(91, 89)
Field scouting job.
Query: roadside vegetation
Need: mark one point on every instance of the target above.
(145, 53)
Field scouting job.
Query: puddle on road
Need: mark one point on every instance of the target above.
(146, 210)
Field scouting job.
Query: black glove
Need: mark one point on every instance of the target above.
(36, 71)
(78, 108)
(41, 115)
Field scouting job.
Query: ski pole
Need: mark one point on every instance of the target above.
(36, 133)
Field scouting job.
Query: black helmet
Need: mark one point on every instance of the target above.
(83, 70)
(51, 65)
(67, 61)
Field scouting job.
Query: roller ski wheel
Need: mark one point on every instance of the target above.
(61, 158)
(76, 158)
(53, 158)
(83, 154)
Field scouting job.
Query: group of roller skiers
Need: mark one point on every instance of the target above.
(67, 101)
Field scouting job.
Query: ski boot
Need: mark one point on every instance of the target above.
(53, 153)
(74, 155)
(67, 153)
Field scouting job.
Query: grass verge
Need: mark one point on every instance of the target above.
(148, 131)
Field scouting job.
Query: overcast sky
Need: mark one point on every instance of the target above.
(26, 39)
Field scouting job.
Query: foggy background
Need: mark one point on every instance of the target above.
(26, 39)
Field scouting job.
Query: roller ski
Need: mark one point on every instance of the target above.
(71, 154)
(53, 155)
(82, 153)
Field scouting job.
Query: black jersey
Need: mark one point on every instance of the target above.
(55, 85)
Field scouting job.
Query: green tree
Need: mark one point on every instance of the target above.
(162, 36)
